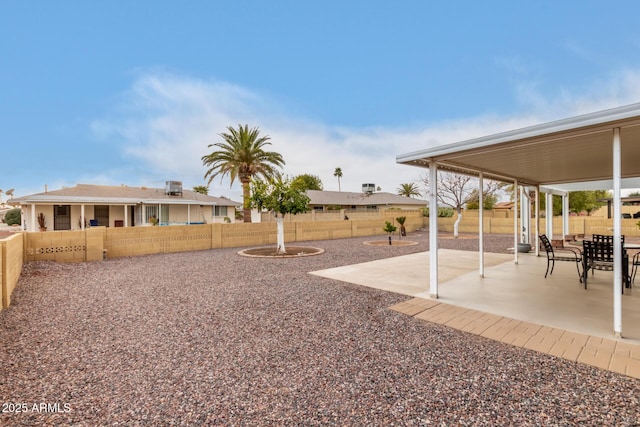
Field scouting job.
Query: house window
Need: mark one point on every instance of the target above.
(318, 208)
(150, 211)
(220, 211)
(101, 214)
(164, 214)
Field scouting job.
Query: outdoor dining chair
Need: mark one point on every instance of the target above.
(560, 253)
(635, 263)
(598, 255)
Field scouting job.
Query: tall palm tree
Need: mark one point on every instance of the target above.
(409, 190)
(338, 173)
(242, 156)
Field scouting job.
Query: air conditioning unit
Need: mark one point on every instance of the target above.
(368, 188)
(173, 188)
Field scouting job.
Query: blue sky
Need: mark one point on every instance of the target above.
(124, 92)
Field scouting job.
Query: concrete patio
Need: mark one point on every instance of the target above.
(513, 303)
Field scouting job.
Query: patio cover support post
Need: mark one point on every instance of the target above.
(188, 214)
(515, 221)
(617, 247)
(481, 222)
(565, 214)
(549, 214)
(82, 217)
(537, 218)
(32, 227)
(433, 230)
(126, 217)
(525, 219)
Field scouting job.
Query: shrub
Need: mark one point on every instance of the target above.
(13, 217)
(442, 212)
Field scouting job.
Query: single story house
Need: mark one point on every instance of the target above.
(87, 205)
(323, 201)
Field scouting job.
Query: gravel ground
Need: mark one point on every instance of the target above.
(213, 338)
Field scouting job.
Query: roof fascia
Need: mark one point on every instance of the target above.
(599, 118)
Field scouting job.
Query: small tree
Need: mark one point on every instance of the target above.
(401, 220)
(389, 228)
(277, 195)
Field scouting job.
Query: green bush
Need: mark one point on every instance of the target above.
(442, 212)
(13, 217)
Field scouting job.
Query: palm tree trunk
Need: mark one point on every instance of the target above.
(246, 195)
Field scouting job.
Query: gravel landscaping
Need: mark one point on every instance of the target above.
(215, 338)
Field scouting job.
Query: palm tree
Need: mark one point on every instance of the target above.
(409, 190)
(338, 173)
(242, 156)
(202, 189)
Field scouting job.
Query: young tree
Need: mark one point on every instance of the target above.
(401, 220)
(242, 155)
(389, 228)
(456, 190)
(277, 195)
(338, 173)
(409, 190)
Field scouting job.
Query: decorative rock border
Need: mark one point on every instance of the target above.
(292, 252)
(393, 243)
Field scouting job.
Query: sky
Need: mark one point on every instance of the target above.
(134, 92)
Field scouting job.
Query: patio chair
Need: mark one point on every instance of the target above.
(635, 263)
(598, 255)
(560, 254)
(605, 238)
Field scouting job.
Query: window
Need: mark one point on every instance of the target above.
(151, 211)
(220, 211)
(101, 214)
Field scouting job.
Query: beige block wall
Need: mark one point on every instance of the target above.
(132, 241)
(11, 262)
(248, 234)
(60, 246)
(322, 230)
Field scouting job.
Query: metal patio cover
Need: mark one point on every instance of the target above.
(573, 150)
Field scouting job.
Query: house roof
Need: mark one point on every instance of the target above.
(103, 194)
(557, 155)
(360, 199)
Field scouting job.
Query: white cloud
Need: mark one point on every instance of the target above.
(165, 122)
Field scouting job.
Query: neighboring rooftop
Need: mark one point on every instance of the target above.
(84, 193)
(360, 199)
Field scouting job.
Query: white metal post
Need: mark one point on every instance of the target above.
(33, 218)
(481, 222)
(549, 214)
(82, 218)
(617, 246)
(565, 214)
(515, 221)
(433, 230)
(537, 218)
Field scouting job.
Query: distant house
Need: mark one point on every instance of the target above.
(323, 201)
(86, 205)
